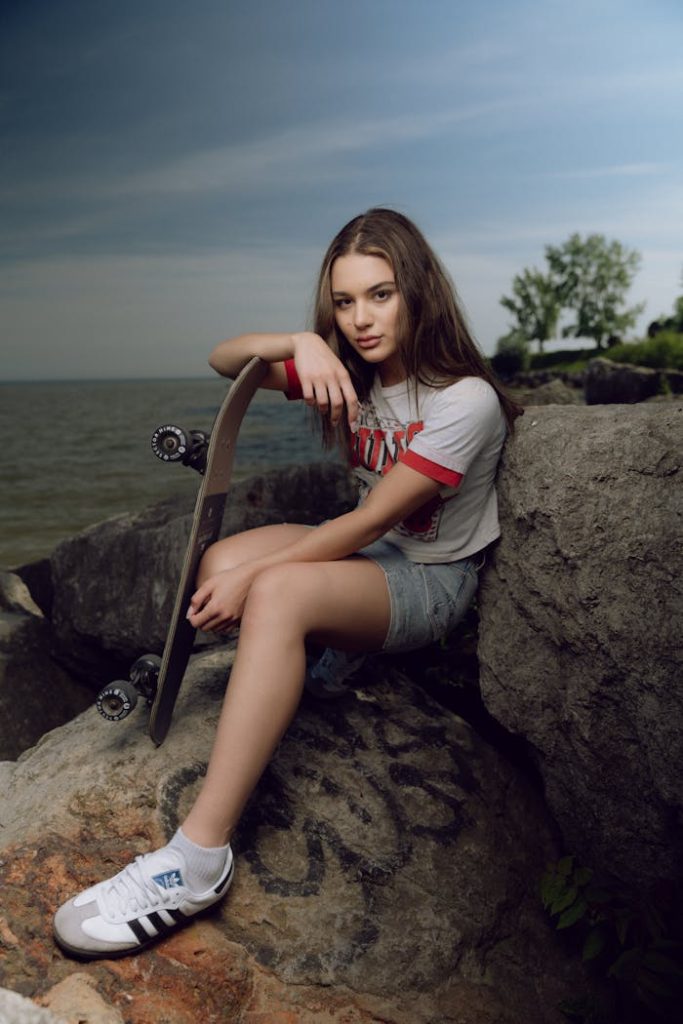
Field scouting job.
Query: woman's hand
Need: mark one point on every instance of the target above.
(217, 605)
(325, 381)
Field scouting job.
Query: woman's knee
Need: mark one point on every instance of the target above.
(224, 554)
(283, 594)
(244, 547)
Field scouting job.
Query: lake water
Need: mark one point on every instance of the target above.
(74, 452)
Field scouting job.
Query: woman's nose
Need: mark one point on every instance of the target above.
(361, 315)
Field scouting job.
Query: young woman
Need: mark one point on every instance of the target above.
(396, 378)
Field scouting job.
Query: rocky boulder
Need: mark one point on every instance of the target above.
(580, 643)
(388, 867)
(609, 383)
(552, 392)
(112, 587)
(35, 693)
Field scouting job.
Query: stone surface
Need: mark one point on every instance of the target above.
(608, 383)
(35, 693)
(580, 639)
(552, 392)
(75, 1000)
(113, 585)
(387, 867)
(15, 1009)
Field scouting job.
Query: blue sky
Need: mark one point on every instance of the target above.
(171, 172)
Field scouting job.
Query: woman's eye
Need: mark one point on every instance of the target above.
(383, 294)
(342, 303)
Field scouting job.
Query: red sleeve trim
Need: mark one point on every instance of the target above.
(293, 391)
(431, 469)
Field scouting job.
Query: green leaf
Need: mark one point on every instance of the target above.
(654, 1004)
(653, 920)
(625, 964)
(622, 921)
(598, 894)
(564, 866)
(582, 876)
(576, 1009)
(594, 944)
(574, 914)
(564, 900)
(551, 888)
(648, 982)
(662, 964)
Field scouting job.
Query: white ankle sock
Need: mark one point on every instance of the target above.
(205, 865)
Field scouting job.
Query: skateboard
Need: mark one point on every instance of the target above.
(158, 679)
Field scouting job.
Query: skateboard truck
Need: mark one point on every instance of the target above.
(171, 443)
(118, 698)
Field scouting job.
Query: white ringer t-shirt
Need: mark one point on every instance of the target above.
(454, 435)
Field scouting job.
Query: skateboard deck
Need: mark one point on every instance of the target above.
(206, 524)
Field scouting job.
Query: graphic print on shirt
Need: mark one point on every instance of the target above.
(377, 445)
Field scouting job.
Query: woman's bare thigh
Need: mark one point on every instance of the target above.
(244, 547)
(343, 604)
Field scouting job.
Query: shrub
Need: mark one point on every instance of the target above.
(512, 355)
(664, 351)
(565, 359)
(633, 939)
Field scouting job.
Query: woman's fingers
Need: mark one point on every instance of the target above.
(211, 619)
(329, 395)
(325, 381)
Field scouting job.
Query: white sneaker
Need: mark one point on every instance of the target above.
(144, 902)
(328, 678)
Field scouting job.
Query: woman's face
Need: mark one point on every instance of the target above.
(366, 306)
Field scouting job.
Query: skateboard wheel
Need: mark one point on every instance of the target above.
(144, 674)
(117, 700)
(170, 443)
(148, 664)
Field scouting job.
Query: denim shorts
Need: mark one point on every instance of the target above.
(427, 599)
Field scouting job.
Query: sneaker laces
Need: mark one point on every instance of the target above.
(132, 889)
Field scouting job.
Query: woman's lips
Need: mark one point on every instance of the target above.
(368, 341)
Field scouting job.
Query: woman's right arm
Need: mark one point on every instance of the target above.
(325, 382)
(230, 356)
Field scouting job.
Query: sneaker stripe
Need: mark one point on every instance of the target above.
(158, 922)
(138, 931)
(177, 915)
(227, 878)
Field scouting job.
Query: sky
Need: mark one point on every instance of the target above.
(172, 172)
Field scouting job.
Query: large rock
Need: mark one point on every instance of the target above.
(35, 693)
(387, 868)
(581, 645)
(113, 585)
(609, 383)
(552, 392)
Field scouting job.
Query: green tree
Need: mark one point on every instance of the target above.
(536, 305)
(593, 277)
(669, 323)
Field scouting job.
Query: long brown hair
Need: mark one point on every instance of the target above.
(434, 340)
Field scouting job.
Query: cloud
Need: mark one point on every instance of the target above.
(267, 159)
(297, 154)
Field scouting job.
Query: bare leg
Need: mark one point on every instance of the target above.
(244, 547)
(343, 603)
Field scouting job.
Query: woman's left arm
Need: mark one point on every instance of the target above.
(219, 601)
